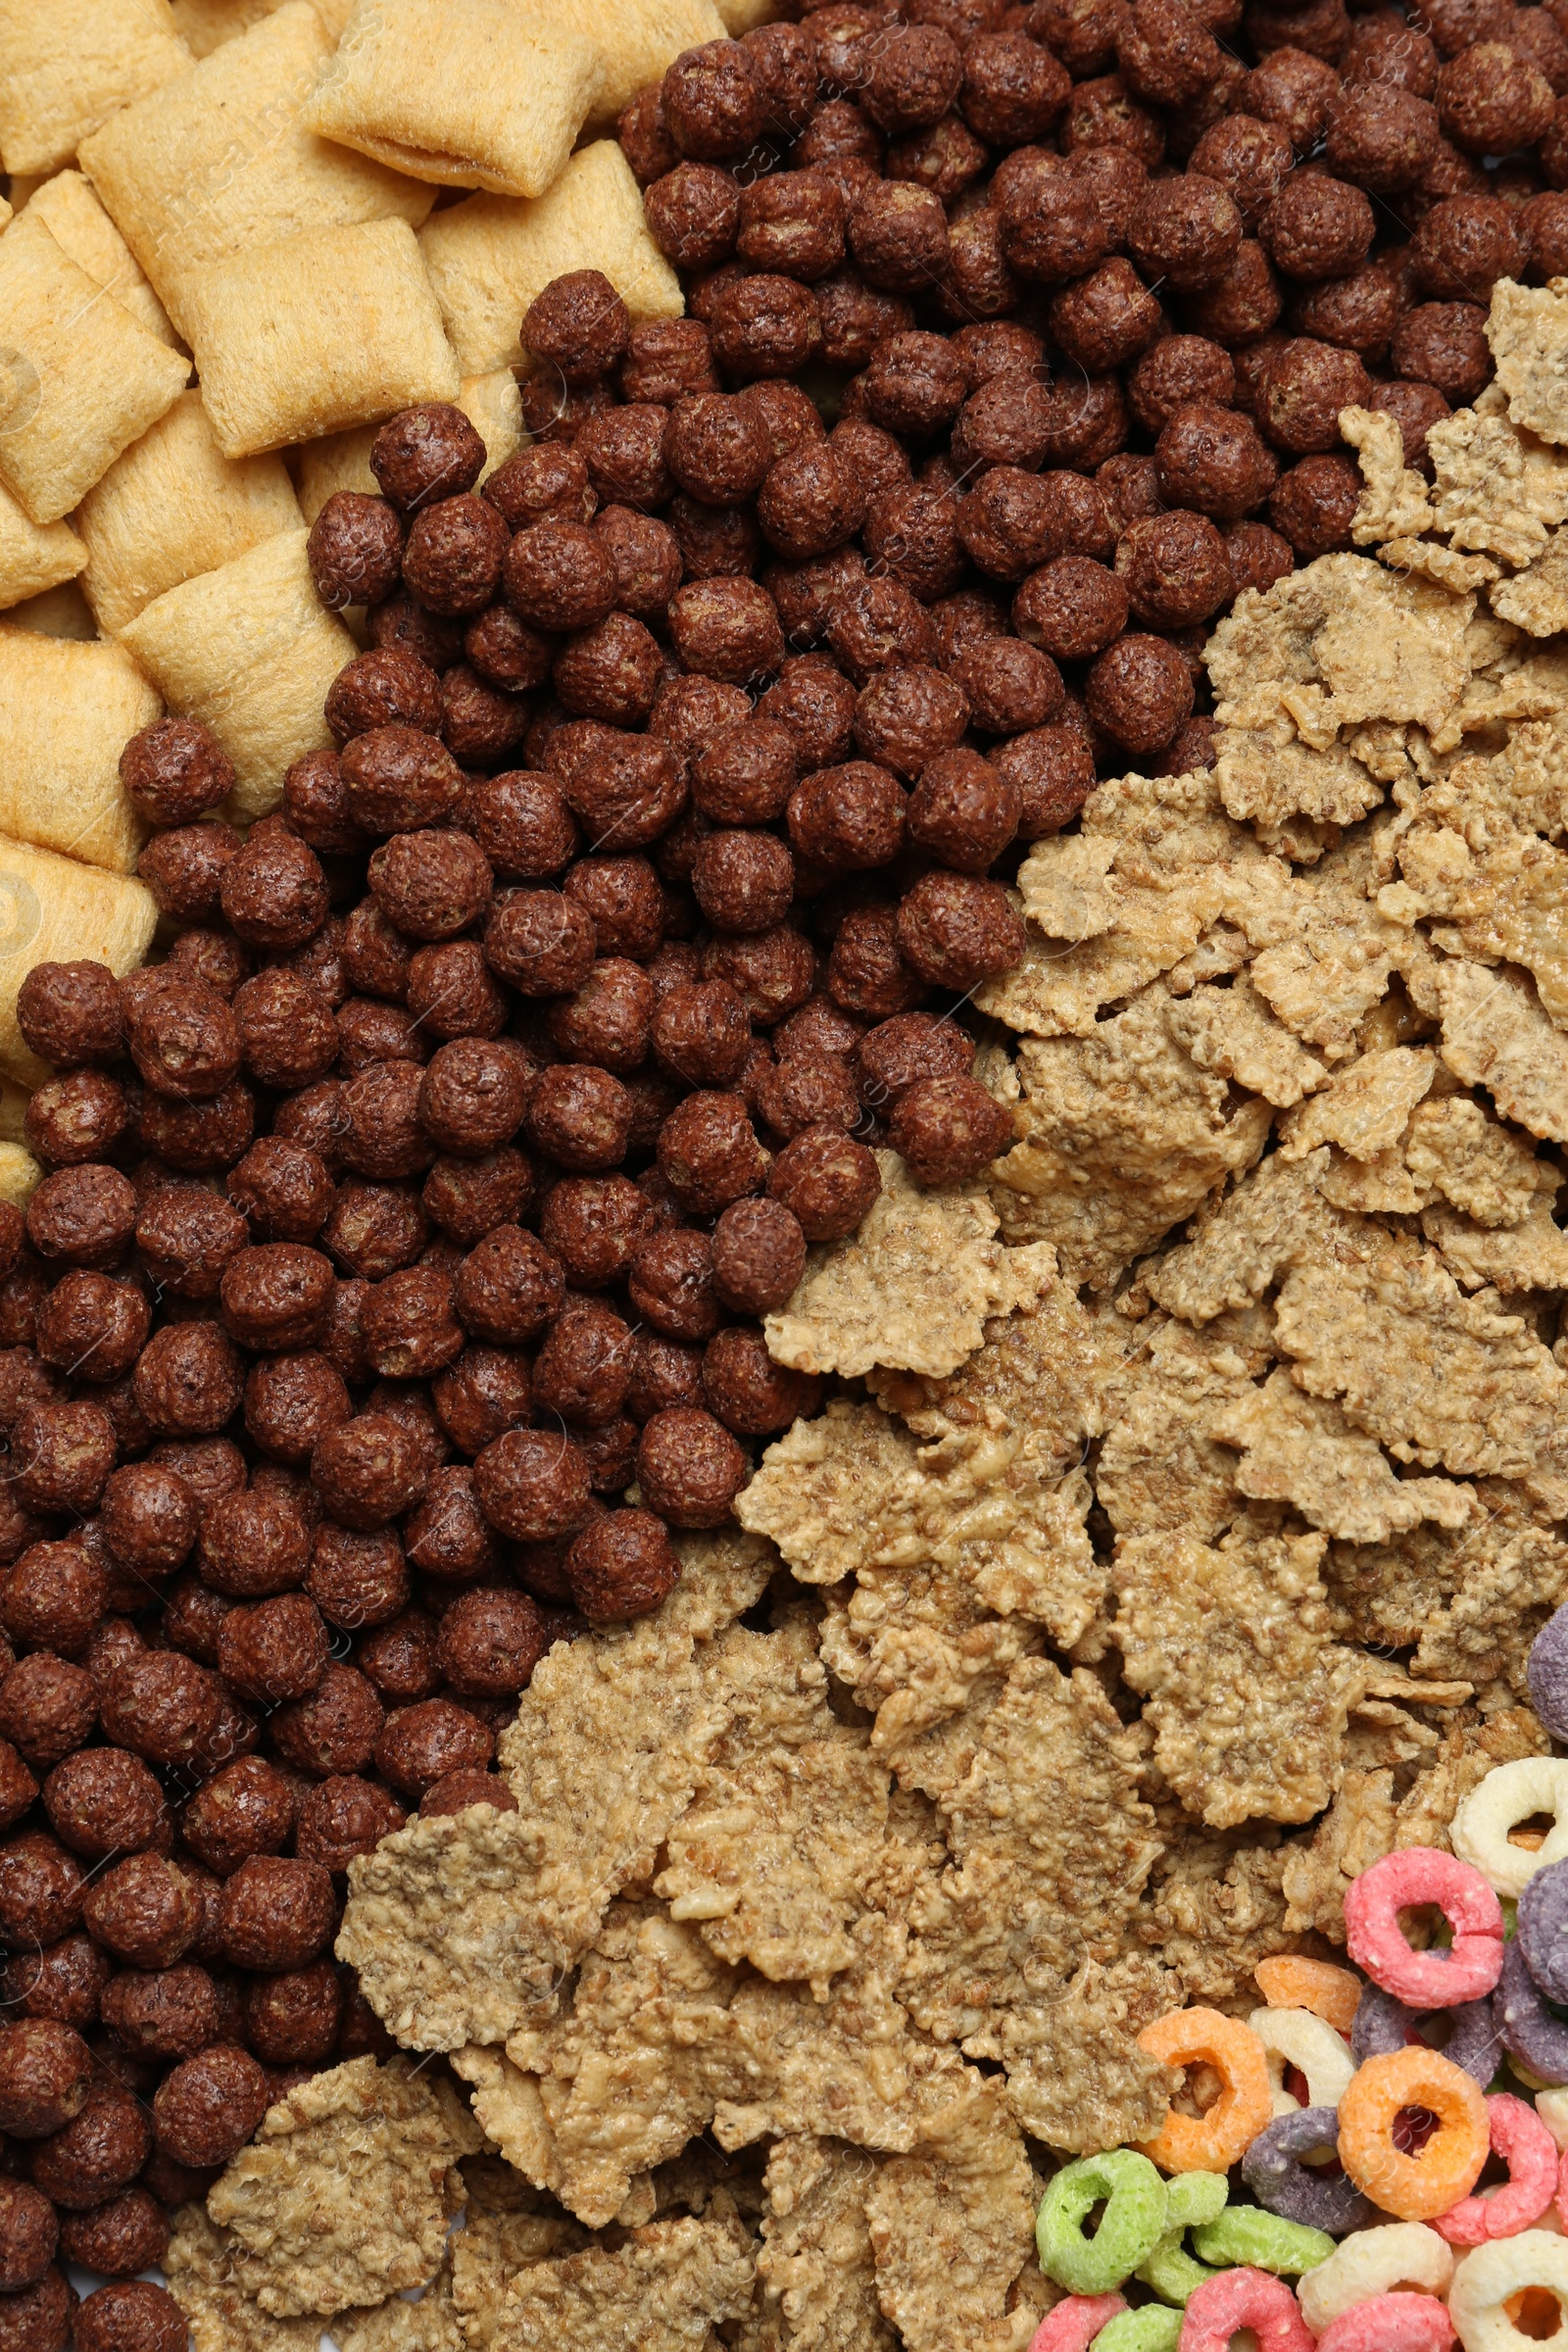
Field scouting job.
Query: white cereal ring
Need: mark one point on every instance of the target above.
(1505, 1798)
(1489, 2278)
(1296, 2037)
(1376, 2262)
(1552, 2108)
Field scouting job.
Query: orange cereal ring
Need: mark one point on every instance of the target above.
(1211, 2142)
(1418, 2188)
(1292, 1982)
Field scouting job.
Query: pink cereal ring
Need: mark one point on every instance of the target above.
(1376, 1943)
(1074, 2325)
(1234, 2299)
(1401, 2322)
(1520, 2138)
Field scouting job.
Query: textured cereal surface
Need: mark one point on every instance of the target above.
(816, 2273)
(669, 2283)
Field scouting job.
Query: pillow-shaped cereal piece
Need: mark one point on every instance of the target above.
(175, 505)
(492, 404)
(62, 612)
(6, 213)
(33, 558)
(56, 911)
(79, 226)
(222, 159)
(739, 16)
(66, 710)
(465, 93)
(250, 650)
(635, 39)
(325, 331)
(65, 66)
(19, 1174)
(488, 258)
(207, 25)
(81, 382)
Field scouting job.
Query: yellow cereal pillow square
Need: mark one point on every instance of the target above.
(634, 40)
(250, 650)
(175, 505)
(80, 380)
(55, 910)
(460, 91)
(492, 404)
(222, 159)
(33, 558)
(65, 66)
(79, 226)
(65, 711)
(490, 256)
(207, 23)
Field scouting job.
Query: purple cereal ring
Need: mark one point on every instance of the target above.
(1542, 1930)
(1547, 1675)
(1274, 2173)
(1529, 2031)
(1382, 2024)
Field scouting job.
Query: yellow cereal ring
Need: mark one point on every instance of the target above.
(1292, 1982)
(1211, 2142)
(1416, 2187)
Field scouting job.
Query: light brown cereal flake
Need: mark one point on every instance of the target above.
(669, 2283)
(1056, 990)
(1245, 1241)
(1247, 1693)
(916, 1647)
(1528, 331)
(1528, 780)
(1167, 826)
(1267, 775)
(724, 1573)
(1496, 487)
(1536, 599)
(1473, 1747)
(1076, 2077)
(1496, 1034)
(1338, 643)
(952, 2228)
(1044, 1375)
(1481, 1166)
(1438, 1376)
(506, 2229)
(1065, 885)
(1444, 566)
(1231, 1032)
(1532, 1256)
(815, 2270)
(1358, 1829)
(429, 2325)
(1301, 1450)
(1324, 966)
(1216, 1908)
(1365, 1107)
(1394, 501)
(200, 2268)
(342, 2197)
(910, 1288)
(1158, 1466)
(1509, 906)
(1380, 1186)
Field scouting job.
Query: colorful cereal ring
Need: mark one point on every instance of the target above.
(1522, 2140)
(1552, 2108)
(1292, 1982)
(1390, 2324)
(1375, 2262)
(1296, 2037)
(1375, 1940)
(1234, 2299)
(1211, 2142)
(1130, 2228)
(1525, 2026)
(1244, 2237)
(1543, 1930)
(1414, 2188)
(1155, 2329)
(1508, 1795)
(1074, 2325)
(1273, 2170)
(1191, 2198)
(1547, 1675)
(1384, 2024)
(1487, 2282)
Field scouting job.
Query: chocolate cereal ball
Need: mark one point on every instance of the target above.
(622, 1565)
(1314, 505)
(758, 1255)
(207, 2108)
(1140, 691)
(45, 2075)
(1317, 227)
(37, 2318)
(689, 1467)
(126, 2234)
(1301, 390)
(826, 1181)
(340, 1818)
(578, 324)
(174, 771)
(747, 1392)
(1491, 101)
(28, 2231)
(98, 2152)
(1444, 345)
(47, 1708)
(490, 1642)
(1175, 570)
(275, 1913)
(422, 1743)
(103, 1800)
(355, 550)
(532, 1485)
(130, 2315)
(426, 452)
(147, 1911)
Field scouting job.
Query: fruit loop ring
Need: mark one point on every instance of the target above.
(1522, 2140)
(1547, 1675)
(1155, 2329)
(1543, 1930)
(1244, 2238)
(1244, 2299)
(1376, 1943)
(1130, 2228)
(1401, 2255)
(1292, 1982)
(1391, 2323)
(1384, 2024)
(1296, 2037)
(1414, 2188)
(1211, 2142)
(1487, 2282)
(1507, 1796)
(1273, 2170)
(1525, 2026)
(1191, 2199)
(1552, 2108)
(1074, 2325)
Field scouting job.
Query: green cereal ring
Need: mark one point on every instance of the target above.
(1243, 2234)
(1171, 2270)
(1130, 2227)
(1153, 2328)
(1193, 2199)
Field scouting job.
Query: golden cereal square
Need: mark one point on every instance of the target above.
(81, 379)
(635, 39)
(492, 404)
(490, 256)
(65, 66)
(250, 650)
(207, 25)
(79, 226)
(315, 334)
(222, 159)
(65, 711)
(466, 92)
(62, 612)
(35, 558)
(55, 910)
(175, 505)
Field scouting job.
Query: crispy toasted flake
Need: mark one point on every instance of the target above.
(1537, 598)
(1358, 1830)
(1365, 1107)
(506, 2228)
(1527, 781)
(1267, 775)
(1247, 1693)
(1483, 1167)
(1324, 967)
(431, 2325)
(815, 2270)
(1341, 642)
(341, 2198)
(1496, 489)
(1462, 1761)
(1532, 1256)
(1438, 1376)
(1395, 500)
(953, 2226)
(1380, 1185)
(1076, 2077)
(1065, 885)
(1159, 1465)
(910, 1288)
(1470, 1601)
(1246, 1240)
(1231, 1032)
(1056, 990)
(1044, 1374)
(200, 2269)
(1509, 904)
(1051, 1847)
(1528, 331)
(1301, 1450)
(724, 1573)
(1443, 566)
(1216, 1908)
(1496, 1034)
(915, 1646)
(667, 2284)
